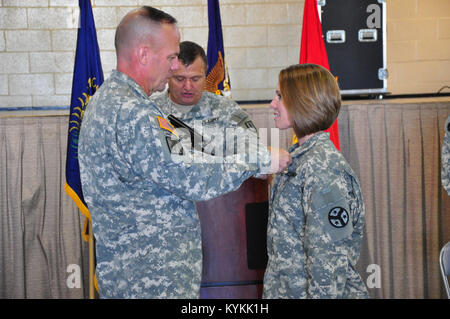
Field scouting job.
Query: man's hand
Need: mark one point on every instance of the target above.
(280, 160)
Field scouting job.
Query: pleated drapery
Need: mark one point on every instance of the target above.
(42, 254)
(394, 147)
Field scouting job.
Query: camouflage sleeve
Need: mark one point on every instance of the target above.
(148, 146)
(445, 171)
(232, 133)
(246, 130)
(327, 225)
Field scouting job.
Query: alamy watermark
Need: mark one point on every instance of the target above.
(374, 278)
(74, 278)
(229, 145)
(374, 19)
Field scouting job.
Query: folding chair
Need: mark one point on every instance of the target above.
(444, 262)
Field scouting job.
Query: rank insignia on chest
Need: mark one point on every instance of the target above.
(165, 124)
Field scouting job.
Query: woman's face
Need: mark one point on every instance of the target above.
(282, 118)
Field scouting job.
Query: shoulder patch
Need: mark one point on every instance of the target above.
(242, 118)
(165, 124)
(338, 217)
(170, 141)
(239, 115)
(332, 212)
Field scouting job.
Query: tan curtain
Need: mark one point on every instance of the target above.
(42, 254)
(394, 148)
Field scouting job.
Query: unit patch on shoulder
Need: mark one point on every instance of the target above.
(242, 119)
(165, 124)
(338, 217)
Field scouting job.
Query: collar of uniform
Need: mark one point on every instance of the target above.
(297, 150)
(173, 109)
(122, 77)
(201, 110)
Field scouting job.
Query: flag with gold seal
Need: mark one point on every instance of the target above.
(217, 80)
(87, 78)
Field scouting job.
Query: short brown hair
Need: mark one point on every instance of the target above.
(189, 51)
(311, 96)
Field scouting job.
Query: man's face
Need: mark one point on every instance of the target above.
(187, 83)
(164, 58)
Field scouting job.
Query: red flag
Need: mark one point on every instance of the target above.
(312, 50)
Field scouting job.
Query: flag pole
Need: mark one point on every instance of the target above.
(91, 262)
(87, 78)
(91, 256)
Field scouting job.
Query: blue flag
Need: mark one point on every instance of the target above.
(217, 76)
(87, 77)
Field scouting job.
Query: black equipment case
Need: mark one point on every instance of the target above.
(354, 33)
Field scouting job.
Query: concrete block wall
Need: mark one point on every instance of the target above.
(418, 46)
(38, 39)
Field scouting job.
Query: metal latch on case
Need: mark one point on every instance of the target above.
(367, 35)
(336, 36)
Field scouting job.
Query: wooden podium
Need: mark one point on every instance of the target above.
(228, 228)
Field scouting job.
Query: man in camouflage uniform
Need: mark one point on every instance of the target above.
(148, 241)
(445, 172)
(213, 114)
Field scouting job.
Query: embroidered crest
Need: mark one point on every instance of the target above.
(338, 217)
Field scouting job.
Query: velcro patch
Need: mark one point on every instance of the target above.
(332, 212)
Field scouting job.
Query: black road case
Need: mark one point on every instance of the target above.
(354, 33)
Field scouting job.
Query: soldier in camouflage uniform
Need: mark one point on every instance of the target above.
(148, 241)
(187, 100)
(316, 215)
(445, 171)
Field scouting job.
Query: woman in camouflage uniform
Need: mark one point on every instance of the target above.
(316, 216)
